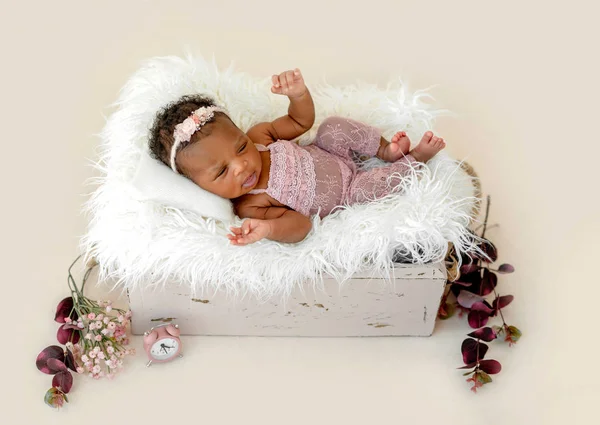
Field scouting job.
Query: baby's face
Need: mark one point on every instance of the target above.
(225, 162)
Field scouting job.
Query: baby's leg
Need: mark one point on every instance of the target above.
(378, 182)
(340, 136)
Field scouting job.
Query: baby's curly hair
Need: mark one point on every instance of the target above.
(161, 133)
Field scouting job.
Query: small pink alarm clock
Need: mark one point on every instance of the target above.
(162, 343)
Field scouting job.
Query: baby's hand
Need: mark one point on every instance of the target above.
(289, 83)
(252, 230)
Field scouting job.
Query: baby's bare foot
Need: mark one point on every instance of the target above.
(396, 149)
(428, 147)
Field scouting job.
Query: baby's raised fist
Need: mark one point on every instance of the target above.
(289, 83)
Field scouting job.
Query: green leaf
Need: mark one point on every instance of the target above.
(446, 311)
(55, 398)
(483, 377)
(514, 332)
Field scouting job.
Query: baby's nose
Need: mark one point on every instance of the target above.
(240, 167)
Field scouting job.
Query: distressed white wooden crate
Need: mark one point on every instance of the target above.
(365, 305)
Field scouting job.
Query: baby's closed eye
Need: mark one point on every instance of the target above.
(221, 171)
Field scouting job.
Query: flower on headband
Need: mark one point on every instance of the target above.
(203, 115)
(183, 131)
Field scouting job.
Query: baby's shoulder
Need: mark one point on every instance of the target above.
(262, 134)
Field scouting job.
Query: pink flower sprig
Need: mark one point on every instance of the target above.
(95, 337)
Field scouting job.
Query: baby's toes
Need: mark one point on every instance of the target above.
(427, 137)
(399, 135)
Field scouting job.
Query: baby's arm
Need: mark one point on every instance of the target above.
(276, 223)
(301, 112)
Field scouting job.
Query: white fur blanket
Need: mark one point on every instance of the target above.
(146, 242)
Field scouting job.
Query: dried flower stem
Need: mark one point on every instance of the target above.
(487, 213)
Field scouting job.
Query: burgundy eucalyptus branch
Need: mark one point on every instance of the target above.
(476, 281)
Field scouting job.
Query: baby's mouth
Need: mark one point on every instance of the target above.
(250, 181)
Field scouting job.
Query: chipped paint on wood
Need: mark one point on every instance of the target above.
(403, 306)
(379, 325)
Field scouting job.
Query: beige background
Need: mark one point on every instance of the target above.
(522, 77)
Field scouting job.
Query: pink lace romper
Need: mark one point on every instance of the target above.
(316, 178)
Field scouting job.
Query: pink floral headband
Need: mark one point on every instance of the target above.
(183, 131)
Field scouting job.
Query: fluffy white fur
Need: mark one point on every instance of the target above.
(141, 241)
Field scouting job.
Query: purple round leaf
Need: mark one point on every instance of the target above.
(467, 299)
(488, 282)
(470, 348)
(51, 352)
(501, 302)
(490, 366)
(63, 381)
(470, 282)
(477, 319)
(485, 334)
(483, 307)
(70, 361)
(490, 250)
(64, 309)
(469, 268)
(66, 334)
(505, 269)
(55, 366)
(70, 326)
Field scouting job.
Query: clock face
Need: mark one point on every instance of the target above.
(164, 349)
